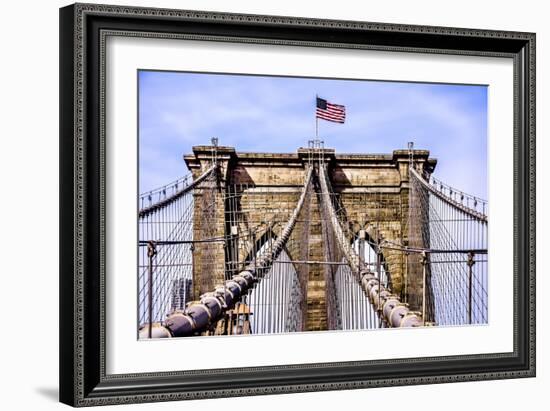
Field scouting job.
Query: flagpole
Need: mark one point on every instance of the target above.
(316, 127)
(316, 119)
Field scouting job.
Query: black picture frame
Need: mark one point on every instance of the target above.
(83, 381)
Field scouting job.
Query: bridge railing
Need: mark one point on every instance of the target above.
(158, 198)
(453, 238)
(204, 314)
(387, 305)
(165, 262)
(265, 240)
(255, 218)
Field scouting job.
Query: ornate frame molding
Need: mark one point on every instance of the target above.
(83, 33)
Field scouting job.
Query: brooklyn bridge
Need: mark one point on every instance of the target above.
(261, 243)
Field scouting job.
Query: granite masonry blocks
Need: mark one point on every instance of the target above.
(257, 192)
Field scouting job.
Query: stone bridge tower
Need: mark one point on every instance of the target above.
(373, 189)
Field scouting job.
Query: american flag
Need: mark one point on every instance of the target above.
(330, 112)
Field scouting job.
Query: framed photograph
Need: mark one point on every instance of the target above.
(261, 204)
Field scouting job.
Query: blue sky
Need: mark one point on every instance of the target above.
(277, 114)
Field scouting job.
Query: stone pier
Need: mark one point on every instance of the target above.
(373, 189)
